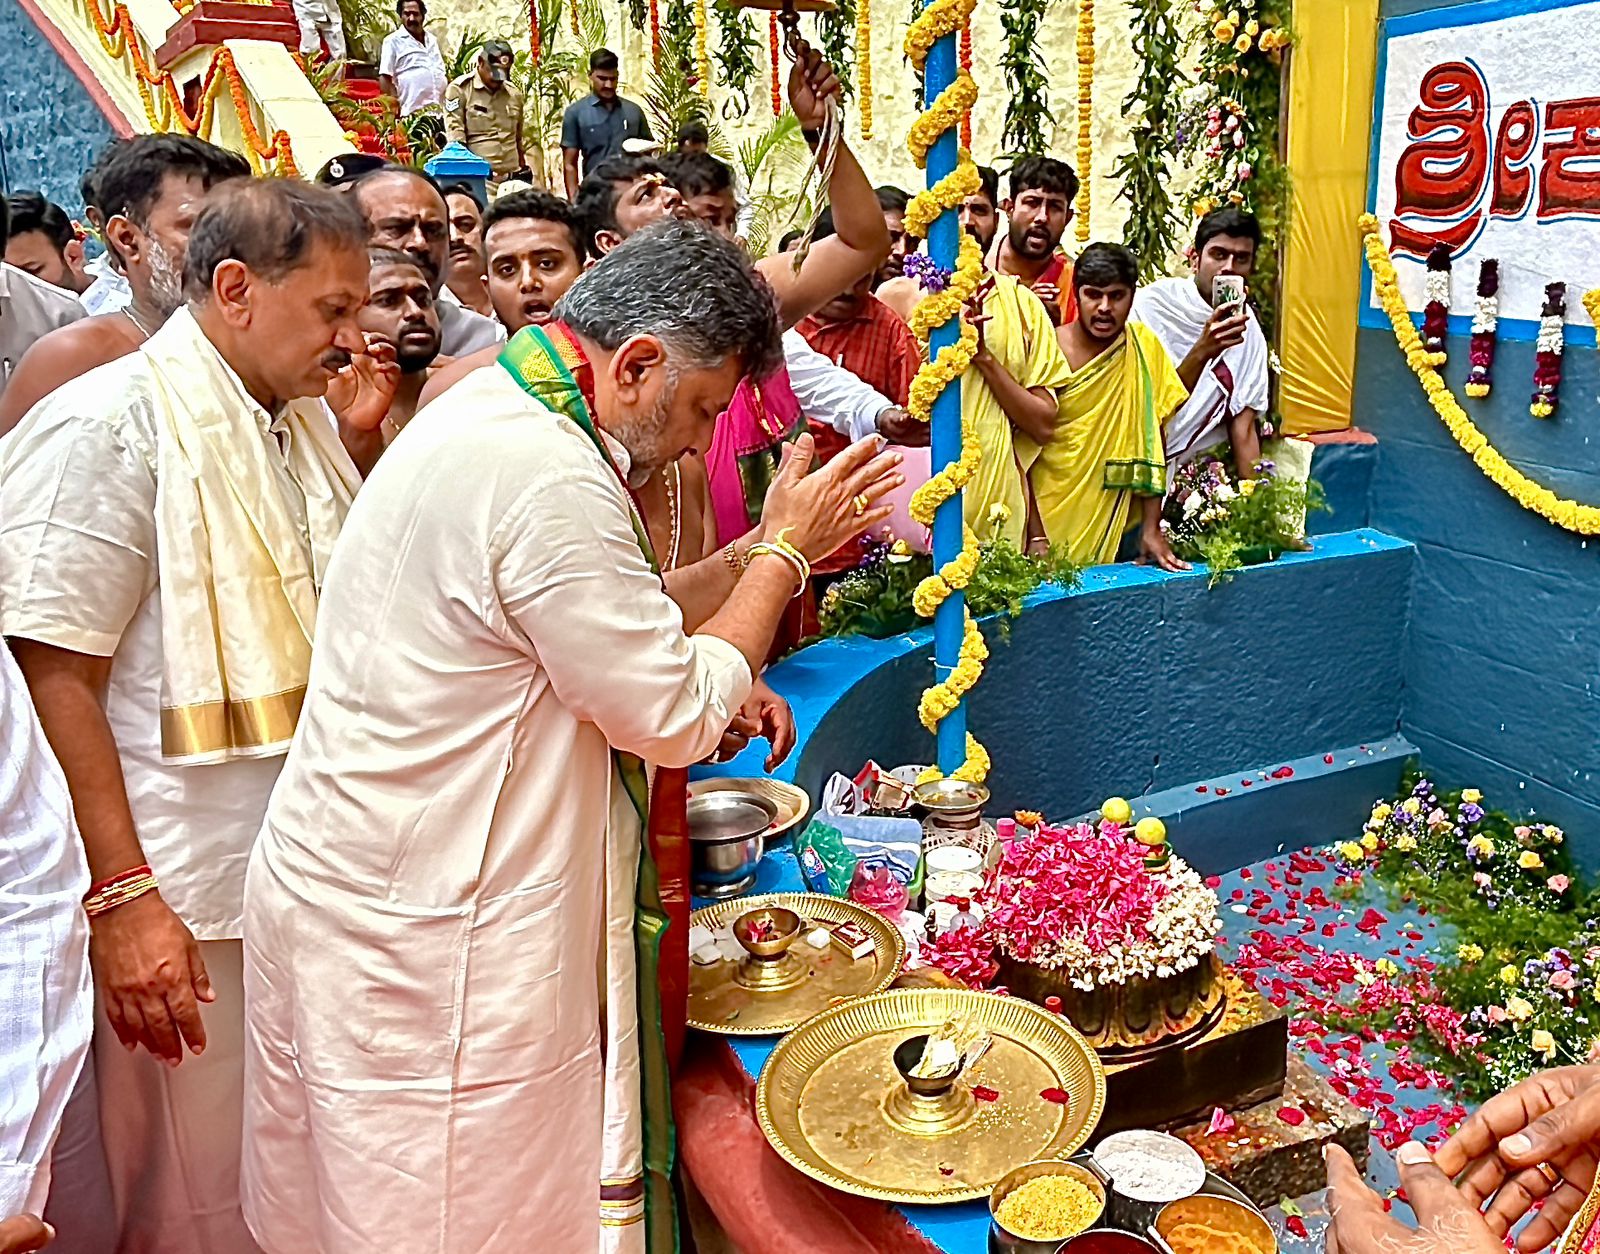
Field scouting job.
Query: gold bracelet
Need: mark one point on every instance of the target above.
(781, 541)
(730, 557)
(772, 550)
(118, 894)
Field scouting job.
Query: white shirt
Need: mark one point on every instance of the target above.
(46, 1000)
(1237, 380)
(428, 903)
(463, 330)
(829, 393)
(29, 309)
(416, 67)
(109, 293)
(79, 570)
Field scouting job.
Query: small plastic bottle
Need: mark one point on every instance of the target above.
(1053, 1005)
(963, 916)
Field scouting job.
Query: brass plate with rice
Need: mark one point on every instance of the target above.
(733, 998)
(832, 1101)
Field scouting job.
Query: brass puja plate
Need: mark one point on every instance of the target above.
(833, 1103)
(725, 997)
(788, 803)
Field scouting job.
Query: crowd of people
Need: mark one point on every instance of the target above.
(378, 943)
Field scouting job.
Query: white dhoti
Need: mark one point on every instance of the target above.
(172, 1134)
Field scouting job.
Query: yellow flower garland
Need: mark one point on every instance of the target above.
(864, 64)
(1571, 515)
(944, 114)
(702, 58)
(1085, 115)
(1591, 302)
(941, 699)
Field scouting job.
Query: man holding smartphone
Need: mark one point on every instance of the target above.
(1208, 328)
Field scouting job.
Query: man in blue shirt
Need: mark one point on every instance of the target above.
(596, 126)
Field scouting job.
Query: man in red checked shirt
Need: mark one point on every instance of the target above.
(859, 332)
(1037, 212)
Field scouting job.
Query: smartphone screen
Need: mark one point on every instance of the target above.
(1227, 289)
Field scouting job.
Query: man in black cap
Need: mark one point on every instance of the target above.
(483, 110)
(597, 126)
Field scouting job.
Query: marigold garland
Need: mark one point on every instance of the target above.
(864, 65)
(964, 61)
(1591, 304)
(1568, 514)
(655, 34)
(119, 39)
(777, 76)
(951, 105)
(927, 205)
(572, 10)
(702, 54)
(954, 104)
(1085, 115)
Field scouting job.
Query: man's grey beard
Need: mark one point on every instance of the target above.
(166, 279)
(644, 436)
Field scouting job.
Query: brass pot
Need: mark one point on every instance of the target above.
(1125, 1022)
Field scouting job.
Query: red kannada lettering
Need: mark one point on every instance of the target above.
(1513, 150)
(1569, 180)
(1442, 175)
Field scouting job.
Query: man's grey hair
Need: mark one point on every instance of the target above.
(270, 225)
(683, 283)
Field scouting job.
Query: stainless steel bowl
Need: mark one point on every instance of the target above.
(726, 841)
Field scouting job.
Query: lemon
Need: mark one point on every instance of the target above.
(1150, 831)
(1116, 810)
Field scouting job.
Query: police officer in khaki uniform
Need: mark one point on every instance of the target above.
(483, 110)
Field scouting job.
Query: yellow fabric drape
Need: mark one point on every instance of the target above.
(1331, 75)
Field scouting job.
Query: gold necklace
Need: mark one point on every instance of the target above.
(674, 492)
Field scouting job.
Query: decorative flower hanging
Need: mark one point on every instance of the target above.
(655, 33)
(702, 52)
(938, 19)
(864, 64)
(1565, 513)
(777, 72)
(533, 31)
(1436, 312)
(1485, 322)
(1547, 351)
(1085, 116)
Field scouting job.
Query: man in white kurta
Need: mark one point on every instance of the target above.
(443, 1042)
(1221, 353)
(100, 522)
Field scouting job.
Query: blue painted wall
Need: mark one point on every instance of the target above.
(1502, 655)
(50, 129)
(1137, 682)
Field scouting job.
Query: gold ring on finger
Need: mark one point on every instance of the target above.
(1552, 1177)
(861, 503)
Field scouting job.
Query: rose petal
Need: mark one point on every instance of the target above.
(985, 1094)
(1058, 1096)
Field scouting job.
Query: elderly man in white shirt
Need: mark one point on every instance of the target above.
(46, 999)
(411, 66)
(165, 522)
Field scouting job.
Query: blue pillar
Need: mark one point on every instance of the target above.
(943, 240)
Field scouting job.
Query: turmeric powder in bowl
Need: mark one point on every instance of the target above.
(1048, 1208)
(1214, 1225)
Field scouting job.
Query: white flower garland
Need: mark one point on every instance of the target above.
(1552, 335)
(1486, 319)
